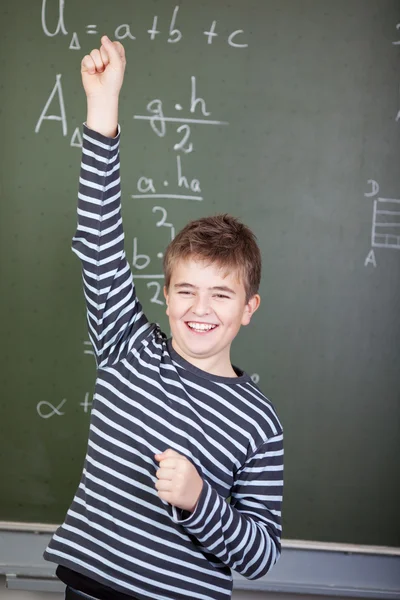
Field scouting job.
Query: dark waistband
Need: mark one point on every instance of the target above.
(71, 594)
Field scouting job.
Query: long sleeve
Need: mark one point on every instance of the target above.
(245, 534)
(114, 315)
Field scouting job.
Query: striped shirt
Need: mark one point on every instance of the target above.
(147, 398)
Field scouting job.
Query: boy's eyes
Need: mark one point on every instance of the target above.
(189, 293)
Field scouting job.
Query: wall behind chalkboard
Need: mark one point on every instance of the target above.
(284, 113)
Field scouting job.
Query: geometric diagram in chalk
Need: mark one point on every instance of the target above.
(385, 231)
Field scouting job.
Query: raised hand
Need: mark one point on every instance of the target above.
(102, 76)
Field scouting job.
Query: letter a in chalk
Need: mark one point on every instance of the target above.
(370, 260)
(57, 89)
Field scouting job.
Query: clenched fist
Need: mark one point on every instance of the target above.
(178, 481)
(103, 69)
(102, 76)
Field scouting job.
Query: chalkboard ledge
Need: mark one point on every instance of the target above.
(308, 568)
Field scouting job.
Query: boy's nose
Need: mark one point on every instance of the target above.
(201, 306)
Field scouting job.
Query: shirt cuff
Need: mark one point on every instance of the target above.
(99, 136)
(196, 517)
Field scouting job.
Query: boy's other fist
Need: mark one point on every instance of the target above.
(103, 69)
(178, 481)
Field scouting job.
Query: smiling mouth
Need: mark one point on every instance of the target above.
(200, 327)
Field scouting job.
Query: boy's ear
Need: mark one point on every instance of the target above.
(166, 297)
(250, 308)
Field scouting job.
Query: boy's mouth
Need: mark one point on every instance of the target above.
(200, 327)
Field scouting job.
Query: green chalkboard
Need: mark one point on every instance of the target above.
(285, 113)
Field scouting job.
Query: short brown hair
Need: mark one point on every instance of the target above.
(221, 239)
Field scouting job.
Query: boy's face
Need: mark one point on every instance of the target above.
(206, 307)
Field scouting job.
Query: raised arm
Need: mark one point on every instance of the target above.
(115, 317)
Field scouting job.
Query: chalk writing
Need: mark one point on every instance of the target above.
(57, 89)
(374, 188)
(60, 24)
(74, 43)
(76, 139)
(123, 31)
(176, 121)
(158, 120)
(47, 410)
(385, 230)
(87, 402)
(142, 261)
(139, 261)
(174, 34)
(88, 348)
(146, 187)
(386, 223)
(184, 145)
(155, 299)
(162, 222)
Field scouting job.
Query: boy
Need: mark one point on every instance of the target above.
(175, 429)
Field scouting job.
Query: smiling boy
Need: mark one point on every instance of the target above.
(212, 272)
(175, 429)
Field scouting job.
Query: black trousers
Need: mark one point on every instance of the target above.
(71, 594)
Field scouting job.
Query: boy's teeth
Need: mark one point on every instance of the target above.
(201, 326)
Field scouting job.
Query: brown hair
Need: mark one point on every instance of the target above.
(223, 240)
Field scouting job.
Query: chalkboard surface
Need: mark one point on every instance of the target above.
(285, 113)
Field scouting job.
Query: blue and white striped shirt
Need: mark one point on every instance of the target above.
(148, 398)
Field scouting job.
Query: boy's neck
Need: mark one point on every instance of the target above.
(214, 365)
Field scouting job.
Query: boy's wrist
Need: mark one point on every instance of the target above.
(102, 115)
